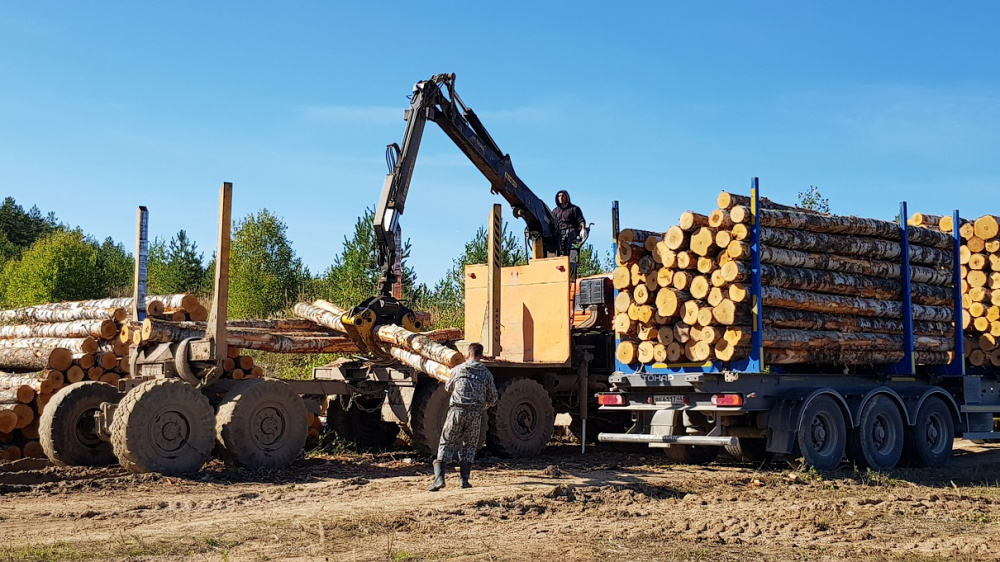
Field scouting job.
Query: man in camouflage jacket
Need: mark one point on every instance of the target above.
(472, 392)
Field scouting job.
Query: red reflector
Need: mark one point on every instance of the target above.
(727, 399)
(611, 399)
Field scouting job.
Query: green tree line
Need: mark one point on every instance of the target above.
(44, 260)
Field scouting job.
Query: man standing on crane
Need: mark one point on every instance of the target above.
(472, 392)
(570, 221)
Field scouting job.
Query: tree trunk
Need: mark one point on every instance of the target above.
(19, 388)
(856, 247)
(778, 356)
(42, 314)
(100, 329)
(631, 235)
(832, 262)
(420, 344)
(728, 200)
(847, 341)
(805, 320)
(839, 304)
(855, 226)
(702, 241)
(75, 345)
(821, 281)
(691, 221)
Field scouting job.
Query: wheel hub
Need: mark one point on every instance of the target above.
(269, 426)
(818, 433)
(525, 420)
(171, 431)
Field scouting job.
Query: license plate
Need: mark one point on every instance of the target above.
(675, 399)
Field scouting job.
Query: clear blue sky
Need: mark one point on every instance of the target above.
(108, 105)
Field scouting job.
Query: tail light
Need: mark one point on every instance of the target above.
(727, 399)
(611, 399)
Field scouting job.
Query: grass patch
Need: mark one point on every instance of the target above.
(125, 546)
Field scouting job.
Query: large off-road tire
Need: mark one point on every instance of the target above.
(877, 443)
(428, 413)
(165, 426)
(821, 438)
(928, 443)
(522, 421)
(68, 430)
(261, 423)
(362, 424)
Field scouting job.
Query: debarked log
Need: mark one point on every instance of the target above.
(841, 304)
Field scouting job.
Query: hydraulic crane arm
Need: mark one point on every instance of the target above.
(430, 102)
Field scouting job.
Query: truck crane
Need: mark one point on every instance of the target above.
(436, 100)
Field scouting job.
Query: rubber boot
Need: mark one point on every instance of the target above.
(438, 476)
(465, 469)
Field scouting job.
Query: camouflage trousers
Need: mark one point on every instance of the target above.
(460, 434)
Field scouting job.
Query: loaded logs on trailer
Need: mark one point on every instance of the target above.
(831, 288)
(979, 257)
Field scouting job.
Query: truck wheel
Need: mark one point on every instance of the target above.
(822, 435)
(522, 421)
(877, 443)
(68, 430)
(428, 413)
(165, 426)
(361, 426)
(261, 423)
(928, 443)
(750, 450)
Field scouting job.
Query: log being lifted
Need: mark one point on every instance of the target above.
(855, 226)
(840, 304)
(99, 329)
(855, 247)
(161, 331)
(28, 358)
(326, 314)
(805, 320)
(42, 314)
(423, 364)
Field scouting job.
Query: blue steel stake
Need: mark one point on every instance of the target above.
(957, 365)
(908, 364)
(756, 363)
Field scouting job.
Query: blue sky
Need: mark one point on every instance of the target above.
(106, 106)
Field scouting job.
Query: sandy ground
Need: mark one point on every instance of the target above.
(617, 504)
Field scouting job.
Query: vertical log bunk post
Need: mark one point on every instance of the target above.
(907, 365)
(957, 365)
(756, 361)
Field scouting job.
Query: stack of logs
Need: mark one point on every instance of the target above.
(831, 289)
(980, 270)
(46, 347)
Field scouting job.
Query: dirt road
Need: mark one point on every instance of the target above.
(627, 504)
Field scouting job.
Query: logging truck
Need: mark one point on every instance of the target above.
(812, 336)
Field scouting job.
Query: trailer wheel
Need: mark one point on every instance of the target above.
(428, 413)
(522, 421)
(261, 423)
(749, 449)
(361, 426)
(68, 430)
(928, 443)
(165, 426)
(822, 436)
(877, 443)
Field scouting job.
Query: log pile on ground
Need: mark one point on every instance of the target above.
(832, 288)
(46, 347)
(980, 270)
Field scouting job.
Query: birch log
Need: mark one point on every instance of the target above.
(840, 304)
(777, 356)
(853, 246)
(805, 320)
(75, 345)
(855, 226)
(42, 314)
(100, 329)
(843, 264)
(429, 366)
(16, 388)
(848, 341)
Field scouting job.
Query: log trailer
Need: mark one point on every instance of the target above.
(547, 335)
(878, 416)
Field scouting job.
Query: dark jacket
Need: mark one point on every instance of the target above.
(568, 216)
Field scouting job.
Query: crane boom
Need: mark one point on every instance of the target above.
(436, 100)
